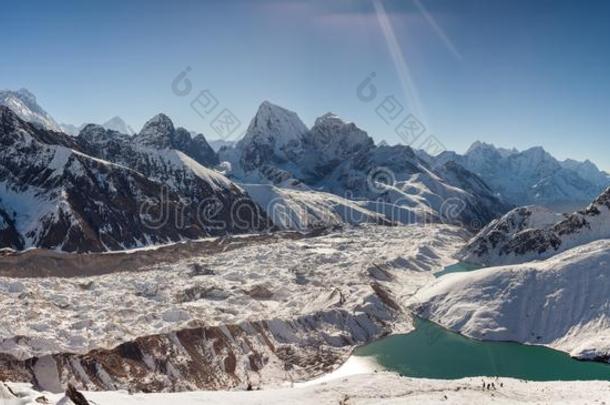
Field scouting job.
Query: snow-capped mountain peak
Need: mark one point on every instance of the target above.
(117, 124)
(96, 133)
(157, 132)
(532, 176)
(479, 147)
(329, 129)
(328, 117)
(271, 130)
(24, 104)
(276, 125)
(332, 140)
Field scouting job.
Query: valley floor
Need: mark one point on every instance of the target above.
(240, 310)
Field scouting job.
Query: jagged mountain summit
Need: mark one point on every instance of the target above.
(159, 132)
(532, 176)
(270, 135)
(114, 124)
(336, 156)
(588, 170)
(55, 195)
(24, 104)
(532, 233)
(117, 124)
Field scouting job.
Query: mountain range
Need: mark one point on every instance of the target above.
(335, 156)
(531, 232)
(57, 192)
(83, 192)
(532, 176)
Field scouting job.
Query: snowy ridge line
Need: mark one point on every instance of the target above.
(336, 156)
(533, 233)
(531, 176)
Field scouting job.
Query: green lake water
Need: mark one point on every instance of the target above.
(431, 351)
(457, 268)
(434, 352)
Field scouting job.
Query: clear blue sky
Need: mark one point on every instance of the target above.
(513, 73)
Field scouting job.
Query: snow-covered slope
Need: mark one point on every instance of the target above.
(532, 176)
(305, 209)
(23, 103)
(531, 233)
(158, 137)
(368, 388)
(562, 302)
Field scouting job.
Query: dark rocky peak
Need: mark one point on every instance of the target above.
(203, 152)
(158, 132)
(97, 133)
(274, 126)
(330, 131)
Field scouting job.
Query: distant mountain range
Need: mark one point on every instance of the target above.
(82, 192)
(533, 233)
(23, 103)
(336, 156)
(114, 124)
(57, 191)
(532, 176)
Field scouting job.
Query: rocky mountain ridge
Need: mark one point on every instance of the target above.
(55, 195)
(531, 233)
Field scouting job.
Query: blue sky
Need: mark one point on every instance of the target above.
(512, 73)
